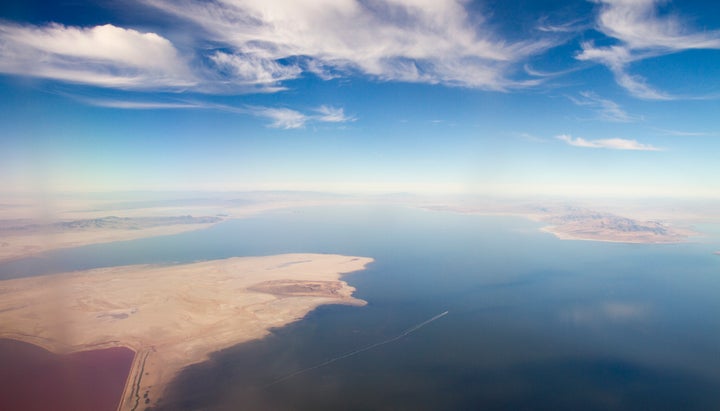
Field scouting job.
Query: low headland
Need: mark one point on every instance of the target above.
(171, 316)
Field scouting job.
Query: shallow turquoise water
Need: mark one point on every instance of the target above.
(533, 322)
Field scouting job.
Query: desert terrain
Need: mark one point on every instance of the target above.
(171, 316)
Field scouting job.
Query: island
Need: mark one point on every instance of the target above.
(568, 222)
(574, 223)
(171, 316)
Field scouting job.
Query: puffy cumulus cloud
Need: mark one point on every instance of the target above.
(106, 56)
(427, 41)
(642, 34)
(256, 45)
(609, 143)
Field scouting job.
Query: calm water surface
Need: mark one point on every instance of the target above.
(534, 322)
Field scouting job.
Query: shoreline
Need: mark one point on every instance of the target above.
(22, 246)
(570, 237)
(76, 225)
(587, 225)
(171, 316)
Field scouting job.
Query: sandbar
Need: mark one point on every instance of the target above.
(171, 316)
(25, 238)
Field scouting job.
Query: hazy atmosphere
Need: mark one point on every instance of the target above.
(359, 205)
(516, 97)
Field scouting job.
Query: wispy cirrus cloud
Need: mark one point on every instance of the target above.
(288, 119)
(284, 118)
(107, 56)
(609, 143)
(396, 40)
(253, 70)
(683, 133)
(139, 105)
(605, 108)
(572, 26)
(642, 34)
(329, 114)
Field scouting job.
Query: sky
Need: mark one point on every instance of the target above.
(490, 97)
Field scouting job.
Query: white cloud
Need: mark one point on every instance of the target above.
(400, 40)
(252, 69)
(256, 45)
(281, 117)
(284, 118)
(105, 56)
(637, 24)
(330, 114)
(610, 143)
(573, 26)
(288, 119)
(606, 109)
(642, 34)
(139, 105)
(682, 133)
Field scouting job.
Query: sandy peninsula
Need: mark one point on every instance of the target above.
(24, 238)
(171, 316)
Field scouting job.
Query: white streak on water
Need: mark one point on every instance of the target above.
(361, 350)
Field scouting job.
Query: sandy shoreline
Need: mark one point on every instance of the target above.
(29, 227)
(171, 316)
(608, 238)
(19, 246)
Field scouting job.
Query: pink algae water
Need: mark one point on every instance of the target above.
(32, 378)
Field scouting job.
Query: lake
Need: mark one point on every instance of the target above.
(533, 322)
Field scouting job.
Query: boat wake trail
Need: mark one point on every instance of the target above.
(360, 350)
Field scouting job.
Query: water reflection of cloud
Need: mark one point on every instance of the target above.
(613, 311)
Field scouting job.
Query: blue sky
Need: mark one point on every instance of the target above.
(512, 97)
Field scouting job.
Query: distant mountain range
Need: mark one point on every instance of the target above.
(110, 222)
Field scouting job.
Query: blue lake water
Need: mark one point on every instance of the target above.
(534, 323)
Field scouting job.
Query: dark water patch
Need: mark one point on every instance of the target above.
(581, 384)
(231, 381)
(32, 378)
